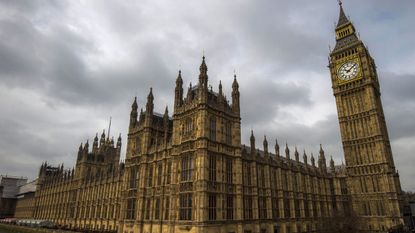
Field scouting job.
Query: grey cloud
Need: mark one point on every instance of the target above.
(60, 54)
(262, 98)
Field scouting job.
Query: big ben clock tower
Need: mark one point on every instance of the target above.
(372, 179)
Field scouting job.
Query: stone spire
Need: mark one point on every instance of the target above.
(150, 104)
(86, 147)
(265, 145)
(297, 155)
(134, 113)
(287, 151)
(313, 163)
(322, 160)
(342, 16)
(102, 140)
(332, 169)
(178, 92)
(277, 148)
(166, 124)
(235, 95)
(119, 141)
(95, 143)
(305, 157)
(203, 77)
(252, 139)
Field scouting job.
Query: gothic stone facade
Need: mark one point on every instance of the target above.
(189, 172)
(372, 179)
(87, 197)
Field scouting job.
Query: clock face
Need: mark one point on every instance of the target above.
(348, 71)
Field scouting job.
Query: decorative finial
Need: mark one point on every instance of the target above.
(109, 128)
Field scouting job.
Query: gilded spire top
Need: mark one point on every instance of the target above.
(342, 16)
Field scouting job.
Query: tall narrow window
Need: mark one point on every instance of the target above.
(306, 209)
(297, 208)
(187, 168)
(130, 213)
(167, 208)
(248, 207)
(133, 177)
(168, 172)
(212, 134)
(157, 209)
(229, 174)
(229, 206)
(228, 132)
(148, 209)
(159, 173)
(188, 127)
(262, 207)
(247, 173)
(212, 206)
(212, 167)
(186, 206)
(275, 209)
(150, 175)
(287, 212)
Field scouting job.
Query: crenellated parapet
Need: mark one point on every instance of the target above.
(265, 156)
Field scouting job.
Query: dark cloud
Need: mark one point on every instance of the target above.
(66, 67)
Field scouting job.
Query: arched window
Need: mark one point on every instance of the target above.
(228, 132)
(188, 126)
(212, 134)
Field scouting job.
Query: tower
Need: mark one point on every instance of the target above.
(372, 179)
(206, 138)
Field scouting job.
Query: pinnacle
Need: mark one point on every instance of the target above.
(342, 16)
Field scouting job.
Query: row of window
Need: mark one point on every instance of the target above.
(212, 169)
(187, 167)
(262, 208)
(213, 130)
(300, 182)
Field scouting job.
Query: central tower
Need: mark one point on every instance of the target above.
(372, 179)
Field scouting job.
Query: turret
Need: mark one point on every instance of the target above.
(141, 118)
(86, 147)
(305, 158)
(235, 95)
(297, 156)
(287, 151)
(322, 160)
(95, 144)
(178, 92)
(102, 140)
(134, 113)
(332, 169)
(220, 88)
(252, 139)
(148, 115)
(119, 142)
(166, 124)
(277, 149)
(80, 150)
(203, 81)
(313, 163)
(150, 104)
(265, 145)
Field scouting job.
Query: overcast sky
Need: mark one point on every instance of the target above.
(67, 66)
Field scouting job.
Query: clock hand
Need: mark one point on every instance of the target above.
(351, 67)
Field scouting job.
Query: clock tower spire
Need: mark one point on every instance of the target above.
(372, 179)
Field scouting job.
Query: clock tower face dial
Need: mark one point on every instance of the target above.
(348, 71)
